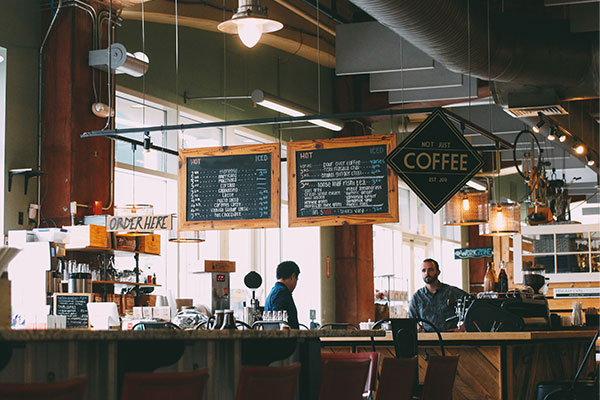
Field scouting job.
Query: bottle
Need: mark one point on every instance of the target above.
(502, 286)
(154, 279)
(489, 280)
(229, 320)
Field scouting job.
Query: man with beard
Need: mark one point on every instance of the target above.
(431, 301)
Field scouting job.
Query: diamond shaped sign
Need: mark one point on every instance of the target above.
(435, 160)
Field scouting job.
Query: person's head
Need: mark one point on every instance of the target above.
(287, 273)
(430, 269)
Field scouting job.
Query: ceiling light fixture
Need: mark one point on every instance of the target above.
(147, 141)
(537, 127)
(590, 161)
(562, 138)
(552, 134)
(121, 61)
(285, 107)
(579, 148)
(467, 208)
(249, 22)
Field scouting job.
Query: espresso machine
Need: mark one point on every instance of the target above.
(216, 277)
(252, 313)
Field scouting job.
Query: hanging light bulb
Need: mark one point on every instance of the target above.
(537, 127)
(590, 161)
(505, 220)
(465, 204)
(562, 138)
(552, 135)
(466, 208)
(250, 22)
(579, 148)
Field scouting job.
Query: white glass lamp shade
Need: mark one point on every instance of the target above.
(249, 29)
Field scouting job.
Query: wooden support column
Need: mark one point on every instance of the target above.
(75, 169)
(354, 284)
(477, 266)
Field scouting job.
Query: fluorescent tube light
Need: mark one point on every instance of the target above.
(476, 186)
(285, 107)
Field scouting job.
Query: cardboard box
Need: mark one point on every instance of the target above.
(5, 310)
(81, 236)
(125, 243)
(149, 244)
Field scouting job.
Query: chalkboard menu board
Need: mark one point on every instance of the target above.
(341, 181)
(74, 306)
(229, 187)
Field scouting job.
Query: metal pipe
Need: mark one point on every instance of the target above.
(40, 94)
(306, 16)
(284, 120)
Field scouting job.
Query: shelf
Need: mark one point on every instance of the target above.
(126, 283)
(26, 172)
(109, 250)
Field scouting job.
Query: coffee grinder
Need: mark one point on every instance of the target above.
(217, 275)
(253, 313)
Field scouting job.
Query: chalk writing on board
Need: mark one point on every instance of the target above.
(233, 187)
(342, 181)
(74, 307)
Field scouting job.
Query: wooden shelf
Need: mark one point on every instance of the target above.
(107, 249)
(126, 283)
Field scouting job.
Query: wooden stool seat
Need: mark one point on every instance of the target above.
(268, 383)
(165, 386)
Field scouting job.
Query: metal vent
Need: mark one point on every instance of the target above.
(522, 112)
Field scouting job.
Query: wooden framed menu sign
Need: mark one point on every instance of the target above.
(341, 181)
(229, 187)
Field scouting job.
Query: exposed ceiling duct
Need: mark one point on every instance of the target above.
(525, 50)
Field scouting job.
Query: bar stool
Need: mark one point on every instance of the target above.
(439, 378)
(398, 378)
(268, 383)
(372, 357)
(165, 386)
(72, 389)
(343, 379)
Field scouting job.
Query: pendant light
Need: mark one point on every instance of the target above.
(504, 220)
(467, 208)
(178, 236)
(250, 22)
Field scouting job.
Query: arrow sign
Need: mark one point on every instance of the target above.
(435, 160)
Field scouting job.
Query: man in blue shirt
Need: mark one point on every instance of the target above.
(280, 298)
(431, 301)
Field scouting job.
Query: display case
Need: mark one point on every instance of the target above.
(568, 252)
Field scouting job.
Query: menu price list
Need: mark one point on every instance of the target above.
(342, 181)
(74, 307)
(235, 187)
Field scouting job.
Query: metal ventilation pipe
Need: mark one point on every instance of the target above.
(523, 50)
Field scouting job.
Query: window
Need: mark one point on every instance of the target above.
(568, 253)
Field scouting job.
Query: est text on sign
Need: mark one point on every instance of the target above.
(138, 223)
(435, 160)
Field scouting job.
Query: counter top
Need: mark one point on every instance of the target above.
(159, 334)
(484, 336)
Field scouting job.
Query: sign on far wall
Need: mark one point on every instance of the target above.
(435, 160)
(138, 223)
(474, 252)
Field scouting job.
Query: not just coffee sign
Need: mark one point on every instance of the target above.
(435, 160)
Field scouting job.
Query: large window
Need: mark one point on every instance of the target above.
(152, 178)
(399, 249)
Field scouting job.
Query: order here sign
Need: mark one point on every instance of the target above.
(435, 160)
(139, 223)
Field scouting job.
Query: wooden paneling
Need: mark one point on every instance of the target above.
(76, 169)
(529, 364)
(354, 285)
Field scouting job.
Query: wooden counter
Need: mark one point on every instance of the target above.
(501, 365)
(105, 356)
